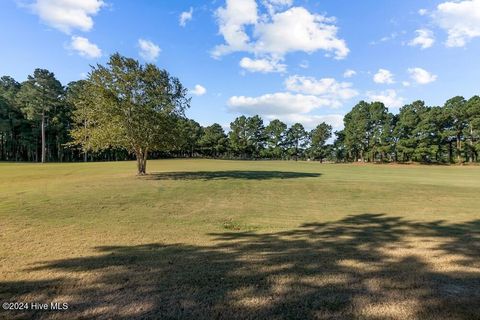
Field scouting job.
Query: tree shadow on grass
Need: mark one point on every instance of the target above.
(367, 266)
(233, 174)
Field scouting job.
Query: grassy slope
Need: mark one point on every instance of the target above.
(208, 238)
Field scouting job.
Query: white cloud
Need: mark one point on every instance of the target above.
(149, 51)
(349, 73)
(383, 76)
(299, 30)
(185, 17)
(276, 33)
(85, 48)
(303, 95)
(280, 103)
(461, 20)
(425, 39)
(421, 76)
(199, 90)
(231, 20)
(304, 64)
(389, 97)
(262, 65)
(405, 83)
(327, 88)
(67, 15)
(392, 36)
(422, 12)
(275, 5)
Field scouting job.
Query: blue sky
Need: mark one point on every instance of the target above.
(297, 60)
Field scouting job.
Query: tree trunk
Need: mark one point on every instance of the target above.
(141, 161)
(472, 148)
(43, 137)
(450, 152)
(85, 153)
(459, 147)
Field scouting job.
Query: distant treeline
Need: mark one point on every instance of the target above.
(420, 133)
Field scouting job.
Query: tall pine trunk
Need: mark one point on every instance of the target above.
(459, 148)
(43, 137)
(85, 153)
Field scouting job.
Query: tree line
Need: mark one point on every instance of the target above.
(126, 110)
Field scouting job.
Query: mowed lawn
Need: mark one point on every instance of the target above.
(206, 239)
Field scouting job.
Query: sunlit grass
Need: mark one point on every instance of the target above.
(204, 238)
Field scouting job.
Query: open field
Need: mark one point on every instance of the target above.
(229, 239)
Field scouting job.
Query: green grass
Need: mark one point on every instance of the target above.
(238, 239)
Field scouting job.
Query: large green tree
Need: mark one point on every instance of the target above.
(456, 109)
(428, 136)
(296, 140)
(189, 133)
(40, 94)
(472, 130)
(275, 138)
(318, 139)
(378, 130)
(214, 140)
(409, 118)
(247, 136)
(238, 136)
(79, 97)
(256, 135)
(356, 130)
(134, 107)
(10, 118)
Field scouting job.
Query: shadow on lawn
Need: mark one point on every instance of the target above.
(234, 174)
(368, 266)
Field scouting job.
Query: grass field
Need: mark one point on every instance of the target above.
(203, 239)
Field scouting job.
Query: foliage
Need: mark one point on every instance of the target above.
(318, 138)
(134, 107)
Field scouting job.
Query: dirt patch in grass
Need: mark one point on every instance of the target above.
(237, 226)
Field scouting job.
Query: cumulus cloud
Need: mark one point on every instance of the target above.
(198, 90)
(422, 12)
(299, 30)
(349, 73)
(425, 39)
(383, 76)
(85, 48)
(276, 33)
(275, 5)
(149, 51)
(421, 76)
(262, 65)
(302, 96)
(326, 88)
(389, 97)
(232, 20)
(185, 17)
(460, 19)
(67, 15)
(279, 103)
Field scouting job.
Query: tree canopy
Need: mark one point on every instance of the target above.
(134, 107)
